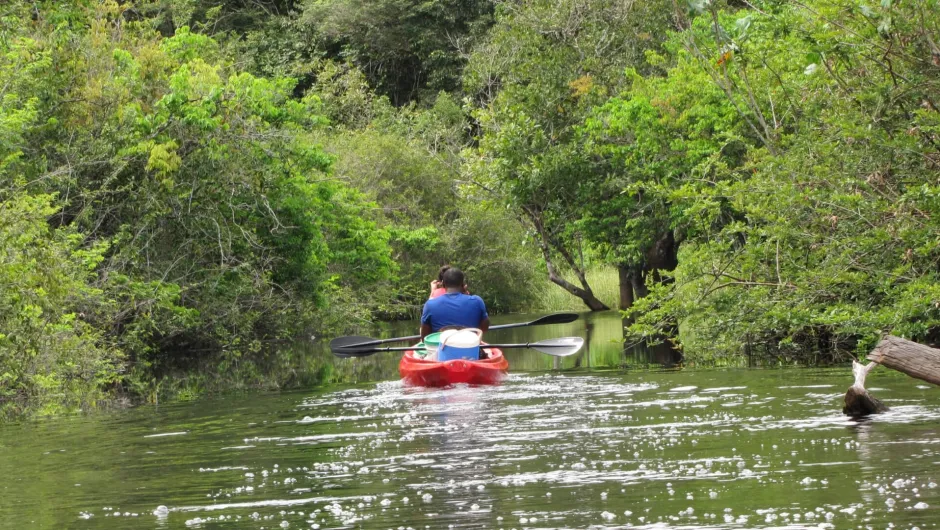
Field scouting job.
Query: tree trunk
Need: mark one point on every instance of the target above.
(638, 280)
(546, 244)
(626, 287)
(663, 255)
(911, 358)
(584, 294)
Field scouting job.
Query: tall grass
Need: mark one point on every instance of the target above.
(604, 282)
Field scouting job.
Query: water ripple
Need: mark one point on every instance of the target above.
(735, 450)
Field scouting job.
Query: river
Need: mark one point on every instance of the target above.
(569, 448)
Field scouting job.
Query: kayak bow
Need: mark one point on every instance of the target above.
(416, 371)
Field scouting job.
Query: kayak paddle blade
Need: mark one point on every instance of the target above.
(367, 350)
(351, 354)
(340, 343)
(561, 347)
(557, 318)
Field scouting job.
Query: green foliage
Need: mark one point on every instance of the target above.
(662, 134)
(491, 247)
(50, 358)
(542, 70)
(215, 223)
(211, 16)
(407, 161)
(824, 236)
(406, 48)
(185, 183)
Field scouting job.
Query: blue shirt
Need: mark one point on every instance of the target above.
(454, 309)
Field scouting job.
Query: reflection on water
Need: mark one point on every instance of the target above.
(648, 449)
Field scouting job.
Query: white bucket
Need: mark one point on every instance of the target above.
(460, 344)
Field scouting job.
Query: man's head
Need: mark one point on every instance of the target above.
(453, 278)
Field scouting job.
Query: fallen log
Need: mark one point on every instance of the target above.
(908, 357)
(916, 360)
(858, 402)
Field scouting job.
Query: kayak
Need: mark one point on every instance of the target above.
(416, 371)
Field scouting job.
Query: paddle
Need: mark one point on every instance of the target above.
(357, 341)
(562, 347)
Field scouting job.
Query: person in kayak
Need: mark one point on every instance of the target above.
(455, 308)
(437, 286)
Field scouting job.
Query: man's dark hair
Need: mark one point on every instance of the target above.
(453, 277)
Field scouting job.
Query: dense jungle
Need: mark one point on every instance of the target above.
(187, 186)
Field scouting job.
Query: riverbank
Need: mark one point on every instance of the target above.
(307, 364)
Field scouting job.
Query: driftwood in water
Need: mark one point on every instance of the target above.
(911, 358)
(858, 402)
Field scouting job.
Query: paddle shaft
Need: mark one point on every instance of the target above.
(407, 348)
(558, 318)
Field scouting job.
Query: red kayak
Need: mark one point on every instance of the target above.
(416, 371)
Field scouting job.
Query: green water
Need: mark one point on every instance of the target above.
(546, 449)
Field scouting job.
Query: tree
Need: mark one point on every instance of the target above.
(543, 68)
(218, 223)
(830, 234)
(660, 138)
(407, 160)
(406, 48)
